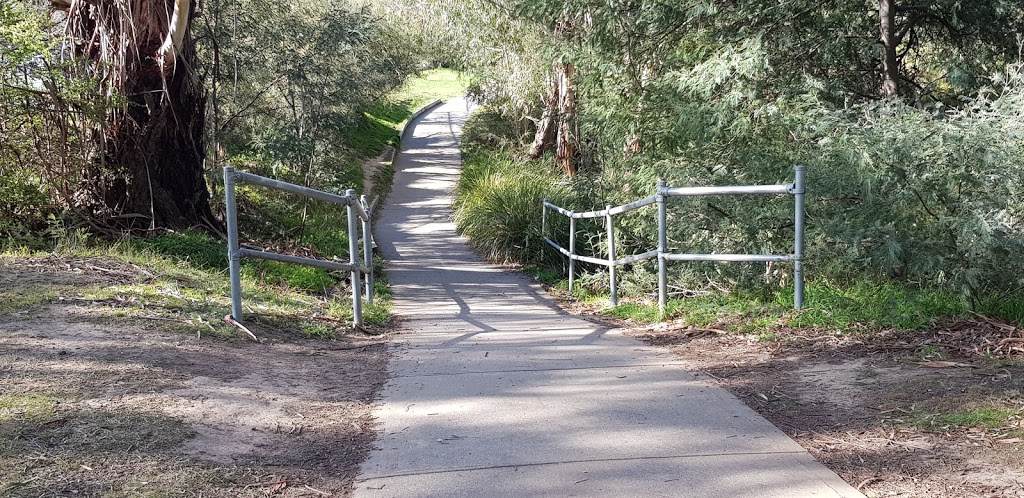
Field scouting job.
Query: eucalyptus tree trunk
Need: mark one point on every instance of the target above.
(544, 137)
(151, 151)
(890, 40)
(556, 128)
(547, 125)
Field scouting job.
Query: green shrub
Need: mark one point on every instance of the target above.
(498, 206)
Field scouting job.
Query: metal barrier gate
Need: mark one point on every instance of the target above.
(357, 207)
(796, 189)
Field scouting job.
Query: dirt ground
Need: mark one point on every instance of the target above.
(925, 414)
(96, 404)
(373, 166)
(92, 404)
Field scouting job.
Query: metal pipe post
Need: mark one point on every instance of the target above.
(234, 265)
(544, 218)
(662, 249)
(611, 260)
(798, 243)
(572, 252)
(353, 256)
(368, 249)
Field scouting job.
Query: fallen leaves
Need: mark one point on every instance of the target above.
(945, 364)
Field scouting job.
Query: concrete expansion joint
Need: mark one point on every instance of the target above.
(529, 370)
(571, 462)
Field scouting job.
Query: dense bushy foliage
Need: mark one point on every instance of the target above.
(922, 187)
(290, 80)
(285, 82)
(46, 112)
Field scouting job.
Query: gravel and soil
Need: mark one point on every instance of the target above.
(935, 413)
(94, 402)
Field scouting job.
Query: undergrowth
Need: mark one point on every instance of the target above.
(498, 207)
(181, 276)
(190, 294)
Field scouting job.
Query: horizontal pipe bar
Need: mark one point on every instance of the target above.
(557, 247)
(616, 210)
(603, 262)
(294, 189)
(764, 258)
(604, 212)
(563, 211)
(636, 257)
(284, 258)
(730, 190)
(646, 201)
(588, 259)
(590, 214)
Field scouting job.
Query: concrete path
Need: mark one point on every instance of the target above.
(497, 392)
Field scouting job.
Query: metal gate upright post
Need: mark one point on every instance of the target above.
(234, 270)
(798, 243)
(353, 256)
(367, 249)
(662, 248)
(572, 252)
(611, 257)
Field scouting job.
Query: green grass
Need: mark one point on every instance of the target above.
(381, 123)
(193, 293)
(862, 306)
(18, 299)
(986, 417)
(26, 407)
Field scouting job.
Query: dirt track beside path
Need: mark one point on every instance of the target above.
(95, 405)
(887, 414)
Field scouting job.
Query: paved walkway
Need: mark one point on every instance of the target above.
(497, 392)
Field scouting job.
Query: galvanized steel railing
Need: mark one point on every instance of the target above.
(796, 189)
(357, 208)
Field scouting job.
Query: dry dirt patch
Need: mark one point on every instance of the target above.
(891, 414)
(94, 407)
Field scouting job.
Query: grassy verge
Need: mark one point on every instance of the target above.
(381, 124)
(180, 280)
(863, 306)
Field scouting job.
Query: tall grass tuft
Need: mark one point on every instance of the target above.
(498, 207)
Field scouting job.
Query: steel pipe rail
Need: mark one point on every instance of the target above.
(747, 258)
(358, 209)
(646, 201)
(796, 189)
(729, 190)
(291, 188)
(603, 262)
(286, 258)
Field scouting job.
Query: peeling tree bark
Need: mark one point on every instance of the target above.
(151, 168)
(544, 138)
(556, 128)
(560, 110)
(565, 152)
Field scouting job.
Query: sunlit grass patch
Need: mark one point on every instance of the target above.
(381, 123)
(17, 299)
(986, 417)
(26, 407)
(183, 294)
